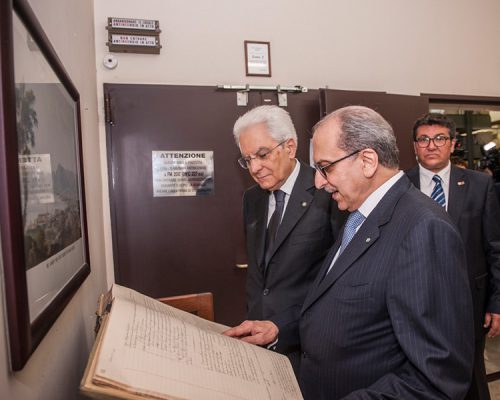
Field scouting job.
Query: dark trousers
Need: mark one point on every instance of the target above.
(479, 386)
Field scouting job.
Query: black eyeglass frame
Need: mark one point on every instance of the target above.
(245, 161)
(424, 141)
(322, 168)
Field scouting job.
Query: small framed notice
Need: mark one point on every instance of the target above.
(257, 58)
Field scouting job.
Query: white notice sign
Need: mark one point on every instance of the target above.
(183, 173)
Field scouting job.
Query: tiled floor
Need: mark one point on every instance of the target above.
(492, 361)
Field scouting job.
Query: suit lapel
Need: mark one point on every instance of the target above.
(414, 176)
(457, 192)
(298, 203)
(366, 236)
(328, 259)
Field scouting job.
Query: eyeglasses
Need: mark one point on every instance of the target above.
(260, 156)
(322, 168)
(424, 141)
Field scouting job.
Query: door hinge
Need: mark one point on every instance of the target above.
(108, 115)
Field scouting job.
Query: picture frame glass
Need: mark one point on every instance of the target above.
(51, 197)
(258, 58)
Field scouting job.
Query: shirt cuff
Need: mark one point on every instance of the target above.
(272, 346)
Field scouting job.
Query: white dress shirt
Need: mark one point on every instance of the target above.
(427, 184)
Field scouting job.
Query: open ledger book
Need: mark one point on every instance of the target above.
(147, 349)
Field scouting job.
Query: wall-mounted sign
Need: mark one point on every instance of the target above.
(257, 58)
(133, 24)
(133, 40)
(183, 173)
(130, 35)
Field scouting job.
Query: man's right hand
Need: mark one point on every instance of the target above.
(255, 332)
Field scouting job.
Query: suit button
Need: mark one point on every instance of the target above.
(265, 292)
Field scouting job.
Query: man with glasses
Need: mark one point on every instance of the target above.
(469, 198)
(289, 224)
(386, 317)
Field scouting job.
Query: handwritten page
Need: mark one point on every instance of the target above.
(152, 348)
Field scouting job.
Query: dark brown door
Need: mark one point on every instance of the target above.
(166, 246)
(400, 110)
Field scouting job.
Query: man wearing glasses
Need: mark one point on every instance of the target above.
(386, 317)
(289, 224)
(469, 198)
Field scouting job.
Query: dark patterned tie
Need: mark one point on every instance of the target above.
(438, 192)
(274, 222)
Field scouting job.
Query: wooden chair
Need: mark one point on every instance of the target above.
(200, 304)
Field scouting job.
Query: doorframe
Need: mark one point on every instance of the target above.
(466, 100)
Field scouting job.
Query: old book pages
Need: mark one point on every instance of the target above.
(146, 349)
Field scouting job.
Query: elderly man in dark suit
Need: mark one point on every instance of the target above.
(469, 198)
(289, 224)
(387, 317)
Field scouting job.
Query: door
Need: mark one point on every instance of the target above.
(401, 111)
(165, 246)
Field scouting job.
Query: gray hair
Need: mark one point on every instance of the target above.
(363, 128)
(278, 123)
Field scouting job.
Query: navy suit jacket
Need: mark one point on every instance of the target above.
(305, 235)
(474, 208)
(390, 320)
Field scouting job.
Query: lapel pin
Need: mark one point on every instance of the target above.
(368, 240)
(460, 183)
(304, 203)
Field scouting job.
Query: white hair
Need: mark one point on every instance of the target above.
(277, 121)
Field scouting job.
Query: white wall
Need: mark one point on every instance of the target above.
(56, 367)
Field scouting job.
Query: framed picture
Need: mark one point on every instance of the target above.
(257, 58)
(42, 201)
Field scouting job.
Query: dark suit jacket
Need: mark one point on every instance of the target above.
(390, 320)
(303, 240)
(474, 208)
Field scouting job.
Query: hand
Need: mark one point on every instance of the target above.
(254, 332)
(492, 321)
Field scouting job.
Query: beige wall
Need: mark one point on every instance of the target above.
(54, 370)
(402, 46)
(399, 46)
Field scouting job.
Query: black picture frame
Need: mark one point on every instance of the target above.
(43, 224)
(257, 58)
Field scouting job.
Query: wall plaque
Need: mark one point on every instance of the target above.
(183, 173)
(130, 35)
(134, 24)
(257, 58)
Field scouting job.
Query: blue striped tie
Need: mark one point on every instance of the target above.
(354, 220)
(438, 192)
